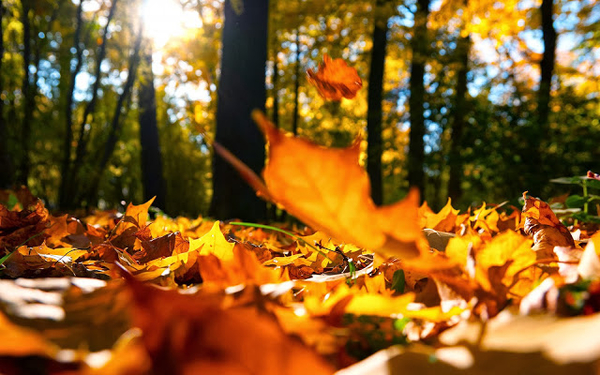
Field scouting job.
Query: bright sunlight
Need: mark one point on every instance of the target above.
(165, 19)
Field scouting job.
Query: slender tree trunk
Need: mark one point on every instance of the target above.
(374, 112)
(84, 130)
(28, 94)
(296, 84)
(544, 95)
(275, 117)
(6, 173)
(547, 63)
(115, 127)
(241, 89)
(416, 148)
(66, 192)
(152, 176)
(463, 47)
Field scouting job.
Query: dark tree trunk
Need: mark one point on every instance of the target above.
(374, 112)
(416, 147)
(296, 84)
(455, 162)
(29, 96)
(241, 89)
(547, 63)
(539, 179)
(275, 117)
(66, 192)
(7, 174)
(152, 176)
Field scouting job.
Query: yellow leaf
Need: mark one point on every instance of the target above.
(214, 243)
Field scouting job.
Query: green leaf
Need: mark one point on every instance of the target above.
(12, 201)
(398, 281)
(575, 201)
(594, 184)
(574, 180)
(4, 258)
(586, 218)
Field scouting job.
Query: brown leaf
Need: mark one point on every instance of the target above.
(160, 247)
(192, 334)
(335, 79)
(545, 228)
(22, 227)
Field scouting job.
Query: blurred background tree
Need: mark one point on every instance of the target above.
(499, 97)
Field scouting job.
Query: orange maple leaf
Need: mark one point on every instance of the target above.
(335, 79)
(329, 190)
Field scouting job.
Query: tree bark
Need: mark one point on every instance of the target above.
(539, 179)
(28, 94)
(66, 192)
(6, 175)
(547, 63)
(416, 148)
(241, 89)
(374, 111)
(152, 176)
(455, 162)
(296, 84)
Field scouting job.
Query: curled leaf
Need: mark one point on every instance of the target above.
(335, 79)
(545, 228)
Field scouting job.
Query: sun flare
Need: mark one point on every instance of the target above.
(165, 19)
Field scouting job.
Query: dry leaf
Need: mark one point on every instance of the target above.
(335, 79)
(330, 191)
(545, 228)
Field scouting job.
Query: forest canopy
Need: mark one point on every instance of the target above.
(105, 102)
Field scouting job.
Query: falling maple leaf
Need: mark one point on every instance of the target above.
(335, 79)
(330, 191)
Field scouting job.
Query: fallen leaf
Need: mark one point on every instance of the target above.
(22, 227)
(443, 221)
(545, 228)
(191, 334)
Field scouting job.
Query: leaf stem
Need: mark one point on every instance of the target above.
(585, 196)
(245, 224)
(351, 264)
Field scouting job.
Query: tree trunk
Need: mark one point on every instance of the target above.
(296, 84)
(7, 174)
(547, 63)
(66, 192)
(241, 89)
(152, 176)
(29, 96)
(463, 47)
(544, 95)
(416, 147)
(374, 111)
(275, 117)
